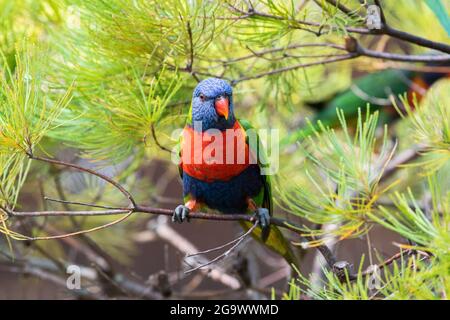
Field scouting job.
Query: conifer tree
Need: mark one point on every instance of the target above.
(92, 92)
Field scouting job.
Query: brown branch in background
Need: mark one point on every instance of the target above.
(90, 171)
(377, 267)
(296, 23)
(323, 249)
(160, 228)
(56, 213)
(402, 35)
(385, 28)
(407, 66)
(354, 46)
(256, 54)
(404, 157)
(152, 128)
(340, 6)
(387, 262)
(92, 205)
(190, 63)
(297, 66)
(45, 275)
(236, 242)
(408, 37)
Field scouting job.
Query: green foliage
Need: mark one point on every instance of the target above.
(429, 124)
(111, 80)
(413, 278)
(427, 227)
(26, 115)
(343, 176)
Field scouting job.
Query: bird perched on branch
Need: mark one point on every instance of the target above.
(222, 164)
(375, 89)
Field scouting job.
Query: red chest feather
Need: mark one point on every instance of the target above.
(215, 155)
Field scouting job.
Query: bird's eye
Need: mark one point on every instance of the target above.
(202, 97)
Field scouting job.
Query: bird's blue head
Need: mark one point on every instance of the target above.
(212, 104)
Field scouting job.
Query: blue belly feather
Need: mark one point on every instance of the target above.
(226, 196)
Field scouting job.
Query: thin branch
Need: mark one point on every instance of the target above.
(81, 232)
(45, 275)
(218, 247)
(256, 54)
(385, 29)
(349, 12)
(152, 128)
(415, 39)
(226, 253)
(93, 205)
(90, 171)
(296, 23)
(404, 157)
(371, 269)
(297, 66)
(56, 213)
(190, 63)
(409, 37)
(161, 228)
(401, 57)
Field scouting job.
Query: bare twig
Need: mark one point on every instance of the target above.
(190, 63)
(341, 7)
(45, 275)
(226, 253)
(256, 54)
(385, 29)
(297, 66)
(92, 205)
(240, 238)
(400, 57)
(164, 231)
(90, 171)
(404, 157)
(409, 37)
(155, 138)
(296, 23)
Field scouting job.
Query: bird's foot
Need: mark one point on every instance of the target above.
(263, 216)
(180, 214)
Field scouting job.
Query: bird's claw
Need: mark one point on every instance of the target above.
(263, 216)
(180, 214)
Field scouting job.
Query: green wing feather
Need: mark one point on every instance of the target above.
(276, 240)
(265, 199)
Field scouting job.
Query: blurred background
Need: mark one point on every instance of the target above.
(104, 84)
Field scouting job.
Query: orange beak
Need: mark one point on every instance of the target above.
(221, 104)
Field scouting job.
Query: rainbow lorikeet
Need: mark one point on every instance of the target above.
(218, 180)
(376, 89)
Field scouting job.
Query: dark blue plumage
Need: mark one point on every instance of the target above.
(226, 196)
